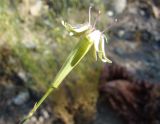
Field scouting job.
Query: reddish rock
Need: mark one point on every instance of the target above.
(136, 101)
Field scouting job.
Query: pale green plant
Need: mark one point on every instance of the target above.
(89, 36)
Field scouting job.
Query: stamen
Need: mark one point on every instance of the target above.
(116, 23)
(110, 26)
(97, 17)
(90, 14)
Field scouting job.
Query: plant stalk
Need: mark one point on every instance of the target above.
(73, 59)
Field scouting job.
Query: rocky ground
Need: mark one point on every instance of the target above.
(128, 88)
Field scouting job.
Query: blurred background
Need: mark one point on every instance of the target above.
(34, 45)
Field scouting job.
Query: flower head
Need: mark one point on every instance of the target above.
(92, 34)
(98, 40)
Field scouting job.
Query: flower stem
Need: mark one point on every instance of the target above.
(73, 59)
(37, 105)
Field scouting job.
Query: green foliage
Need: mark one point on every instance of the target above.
(15, 34)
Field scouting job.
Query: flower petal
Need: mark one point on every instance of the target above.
(105, 38)
(95, 53)
(102, 54)
(76, 30)
(95, 38)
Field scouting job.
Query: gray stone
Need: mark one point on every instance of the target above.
(21, 98)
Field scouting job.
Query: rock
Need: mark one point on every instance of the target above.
(41, 120)
(105, 113)
(58, 121)
(132, 99)
(32, 120)
(21, 98)
(23, 76)
(156, 12)
(119, 5)
(156, 3)
(35, 9)
(115, 6)
(30, 44)
(45, 113)
(145, 12)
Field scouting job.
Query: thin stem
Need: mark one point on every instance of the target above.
(116, 23)
(36, 106)
(73, 59)
(110, 26)
(97, 17)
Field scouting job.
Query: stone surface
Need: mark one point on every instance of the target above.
(21, 98)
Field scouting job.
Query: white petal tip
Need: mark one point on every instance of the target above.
(71, 34)
(62, 22)
(106, 60)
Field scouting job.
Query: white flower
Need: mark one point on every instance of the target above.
(98, 40)
(95, 36)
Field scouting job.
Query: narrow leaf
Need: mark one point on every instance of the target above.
(73, 59)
